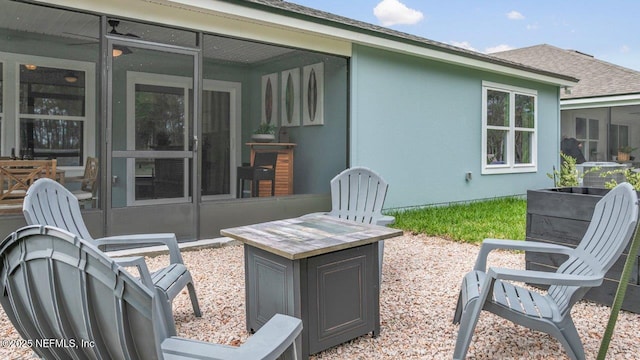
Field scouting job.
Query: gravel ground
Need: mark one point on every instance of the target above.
(421, 276)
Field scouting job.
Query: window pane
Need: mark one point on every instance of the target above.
(497, 108)
(581, 128)
(216, 132)
(1, 81)
(51, 91)
(525, 111)
(593, 151)
(160, 118)
(613, 139)
(168, 181)
(496, 147)
(524, 147)
(624, 136)
(145, 172)
(1, 93)
(594, 129)
(52, 139)
(159, 178)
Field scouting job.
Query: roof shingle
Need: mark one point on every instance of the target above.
(295, 10)
(597, 78)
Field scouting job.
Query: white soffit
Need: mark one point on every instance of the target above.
(320, 30)
(218, 21)
(599, 102)
(245, 22)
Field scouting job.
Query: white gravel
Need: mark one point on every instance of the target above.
(421, 276)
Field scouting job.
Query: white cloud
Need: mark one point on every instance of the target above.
(625, 49)
(514, 15)
(498, 48)
(464, 45)
(533, 26)
(467, 45)
(393, 12)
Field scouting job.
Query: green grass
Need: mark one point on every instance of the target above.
(503, 218)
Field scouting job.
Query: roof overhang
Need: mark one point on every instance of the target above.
(252, 21)
(600, 102)
(353, 34)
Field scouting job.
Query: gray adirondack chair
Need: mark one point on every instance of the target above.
(610, 230)
(358, 194)
(59, 287)
(49, 203)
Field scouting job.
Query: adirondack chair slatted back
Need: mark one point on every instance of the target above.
(602, 244)
(49, 203)
(358, 194)
(90, 176)
(58, 286)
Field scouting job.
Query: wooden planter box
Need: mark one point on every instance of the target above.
(561, 216)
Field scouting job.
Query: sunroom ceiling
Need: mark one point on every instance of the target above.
(21, 22)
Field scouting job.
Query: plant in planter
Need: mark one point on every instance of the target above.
(624, 153)
(630, 176)
(264, 133)
(568, 175)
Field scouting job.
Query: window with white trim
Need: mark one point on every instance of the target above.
(52, 113)
(50, 110)
(509, 123)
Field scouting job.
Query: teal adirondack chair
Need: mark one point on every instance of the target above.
(358, 194)
(610, 230)
(49, 203)
(60, 289)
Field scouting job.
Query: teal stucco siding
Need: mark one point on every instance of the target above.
(418, 123)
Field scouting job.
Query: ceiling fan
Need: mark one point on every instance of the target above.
(118, 50)
(114, 31)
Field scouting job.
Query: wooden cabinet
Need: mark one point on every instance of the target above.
(284, 167)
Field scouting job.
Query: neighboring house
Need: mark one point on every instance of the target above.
(167, 94)
(602, 111)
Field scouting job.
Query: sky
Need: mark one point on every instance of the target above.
(609, 31)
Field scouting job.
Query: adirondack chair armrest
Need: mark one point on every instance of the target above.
(385, 220)
(167, 239)
(177, 348)
(269, 342)
(544, 278)
(139, 263)
(489, 245)
(273, 338)
(315, 214)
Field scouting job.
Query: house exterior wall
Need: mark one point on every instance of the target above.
(414, 120)
(321, 150)
(426, 113)
(419, 123)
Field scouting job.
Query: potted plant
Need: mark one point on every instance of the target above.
(624, 153)
(264, 133)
